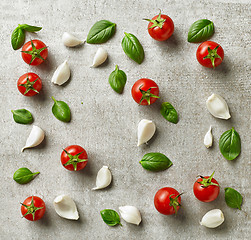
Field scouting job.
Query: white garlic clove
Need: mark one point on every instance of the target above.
(65, 207)
(62, 74)
(130, 214)
(70, 41)
(35, 138)
(146, 130)
(208, 139)
(104, 178)
(213, 218)
(100, 57)
(218, 107)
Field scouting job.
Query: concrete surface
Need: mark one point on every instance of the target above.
(105, 124)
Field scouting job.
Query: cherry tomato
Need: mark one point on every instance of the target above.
(167, 201)
(33, 208)
(206, 189)
(160, 27)
(34, 52)
(210, 54)
(29, 84)
(145, 91)
(74, 158)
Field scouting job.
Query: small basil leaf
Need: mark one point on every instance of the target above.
(230, 144)
(23, 175)
(169, 112)
(155, 162)
(17, 38)
(22, 116)
(110, 217)
(233, 198)
(117, 80)
(132, 48)
(61, 110)
(101, 32)
(200, 31)
(30, 28)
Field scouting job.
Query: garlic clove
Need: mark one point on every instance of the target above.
(35, 138)
(100, 57)
(104, 178)
(70, 41)
(212, 219)
(208, 139)
(146, 130)
(62, 74)
(65, 207)
(218, 107)
(130, 214)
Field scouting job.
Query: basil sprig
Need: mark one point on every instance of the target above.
(155, 162)
(168, 112)
(24, 175)
(133, 48)
(101, 32)
(110, 217)
(233, 198)
(230, 144)
(200, 31)
(61, 110)
(22, 116)
(117, 80)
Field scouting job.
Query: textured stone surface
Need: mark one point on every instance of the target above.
(105, 124)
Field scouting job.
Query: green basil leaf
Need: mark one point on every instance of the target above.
(22, 116)
(117, 80)
(169, 112)
(23, 175)
(61, 111)
(101, 32)
(155, 162)
(17, 38)
(200, 31)
(30, 28)
(110, 217)
(230, 144)
(233, 198)
(132, 48)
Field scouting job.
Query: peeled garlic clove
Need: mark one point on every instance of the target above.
(100, 57)
(218, 107)
(62, 74)
(212, 219)
(35, 138)
(146, 130)
(130, 214)
(70, 41)
(65, 207)
(104, 178)
(208, 139)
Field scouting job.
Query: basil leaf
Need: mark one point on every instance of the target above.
(110, 217)
(17, 38)
(61, 111)
(132, 48)
(200, 31)
(230, 144)
(117, 80)
(155, 162)
(233, 198)
(169, 112)
(30, 28)
(23, 175)
(22, 116)
(101, 32)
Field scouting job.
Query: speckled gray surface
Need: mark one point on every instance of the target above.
(105, 124)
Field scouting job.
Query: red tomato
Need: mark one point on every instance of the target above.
(74, 158)
(34, 52)
(206, 189)
(33, 208)
(145, 91)
(210, 54)
(167, 201)
(29, 84)
(161, 27)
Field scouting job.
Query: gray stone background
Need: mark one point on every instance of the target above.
(106, 123)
